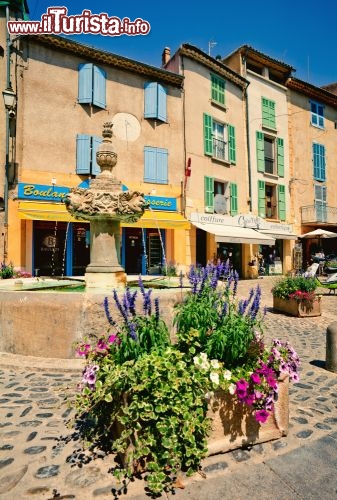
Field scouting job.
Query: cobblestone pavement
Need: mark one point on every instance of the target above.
(38, 458)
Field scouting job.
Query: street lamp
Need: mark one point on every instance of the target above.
(9, 100)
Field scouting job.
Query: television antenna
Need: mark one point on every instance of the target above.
(211, 44)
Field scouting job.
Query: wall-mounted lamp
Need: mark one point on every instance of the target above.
(53, 181)
(10, 101)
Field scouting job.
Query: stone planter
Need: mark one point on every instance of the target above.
(301, 309)
(234, 425)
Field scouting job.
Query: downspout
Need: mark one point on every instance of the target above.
(245, 93)
(8, 85)
(184, 139)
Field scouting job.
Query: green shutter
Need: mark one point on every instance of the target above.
(217, 89)
(209, 194)
(208, 136)
(234, 198)
(232, 146)
(281, 202)
(280, 157)
(260, 151)
(261, 198)
(268, 113)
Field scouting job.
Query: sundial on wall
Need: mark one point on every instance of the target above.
(126, 127)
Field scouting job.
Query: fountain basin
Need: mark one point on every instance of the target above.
(49, 323)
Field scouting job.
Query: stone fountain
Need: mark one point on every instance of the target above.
(105, 205)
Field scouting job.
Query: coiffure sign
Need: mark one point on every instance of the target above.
(245, 220)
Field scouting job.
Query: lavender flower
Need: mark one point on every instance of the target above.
(107, 312)
(120, 307)
(156, 306)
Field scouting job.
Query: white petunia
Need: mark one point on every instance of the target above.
(227, 375)
(232, 389)
(215, 364)
(214, 378)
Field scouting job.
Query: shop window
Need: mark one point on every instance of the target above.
(220, 197)
(270, 154)
(219, 140)
(86, 148)
(155, 101)
(91, 85)
(155, 165)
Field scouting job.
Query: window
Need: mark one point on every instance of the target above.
(220, 197)
(218, 90)
(317, 114)
(86, 147)
(270, 154)
(268, 113)
(219, 140)
(320, 203)
(318, 154)
(155, 97)
(155, 165)
(91, 85)
(271, 201)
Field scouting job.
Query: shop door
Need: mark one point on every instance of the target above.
(81, 249)
(133, 250)
(154, 253)
(49, 248)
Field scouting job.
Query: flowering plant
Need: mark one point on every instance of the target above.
(146, 397)
(299, 285)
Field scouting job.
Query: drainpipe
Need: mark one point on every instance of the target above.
(8, 85)
(245, 93)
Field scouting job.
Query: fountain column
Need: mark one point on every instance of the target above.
(105, 205)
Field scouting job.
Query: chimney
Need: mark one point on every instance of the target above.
(166, 56)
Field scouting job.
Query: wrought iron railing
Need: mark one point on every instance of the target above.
(319, 213)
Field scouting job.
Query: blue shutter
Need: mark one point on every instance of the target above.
(85, 83)
(162, 166)
(150, 158)
(162, 106)
(83, 153)
(150, 100)
(99, 90)
(322, 155)
(96, 141)
(318, 152)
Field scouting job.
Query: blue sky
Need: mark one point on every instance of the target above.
(301, 33)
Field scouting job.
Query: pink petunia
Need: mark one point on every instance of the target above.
(261, 416)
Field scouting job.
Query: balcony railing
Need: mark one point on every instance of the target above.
(319, 213)
(219, 149)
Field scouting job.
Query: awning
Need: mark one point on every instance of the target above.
(44, 211)
(279, 236)
(57, 212)
(153, 219)
(235, 234)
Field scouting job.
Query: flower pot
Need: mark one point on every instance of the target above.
(234, 424)
(299, 308)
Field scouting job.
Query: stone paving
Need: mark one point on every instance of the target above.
(40, 457)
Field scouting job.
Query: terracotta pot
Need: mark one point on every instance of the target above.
(301, 309)
(234, 424)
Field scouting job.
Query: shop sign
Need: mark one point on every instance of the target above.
(245, 220)
(31, 191)
(161, 203)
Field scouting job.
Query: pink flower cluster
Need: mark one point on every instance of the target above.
(259, 392)
(300, 295)
(102, 347)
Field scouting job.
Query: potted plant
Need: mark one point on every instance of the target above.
(297, 296)
(162, 406)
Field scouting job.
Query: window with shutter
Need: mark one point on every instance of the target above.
(318, 152)
(155, 165)
(261, 198)
(234, 198)
(232, 145)
(317, 114)
(281, 202)
(218, 90)
(91, 85)
(260, 151)
(155, 101)
(320, 203)
(280, 157)
(209, 194)
(268, 113)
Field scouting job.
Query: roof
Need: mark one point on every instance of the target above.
(102, 56)
(260, 57)
(312, 91)
(214, 64)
